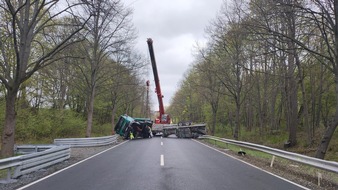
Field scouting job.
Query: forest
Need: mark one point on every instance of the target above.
(68, 69)
(268, 73)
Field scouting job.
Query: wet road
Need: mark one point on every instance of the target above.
(162, 163)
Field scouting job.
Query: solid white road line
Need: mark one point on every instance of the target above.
(296, 184)
(162, 160)
(69, 167)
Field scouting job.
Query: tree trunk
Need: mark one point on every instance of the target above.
(213, 124)
(324, 144)
(317, 117)
(249, 113)
(113, 119)
(214, 108)
(292, 106)
(90, 113)
(259, 107)
(8, 140)
(292, 97)
(237, 124)
(306, 110)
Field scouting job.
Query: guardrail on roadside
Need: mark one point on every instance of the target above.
(32, 148)
(32, 162)
(311, 161)
(40, 156)
(39, 160)
(87, 142)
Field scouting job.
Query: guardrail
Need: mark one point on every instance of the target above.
(39, 160)
(32, 148)
(9, 163)
(311, 161)
(32, 162)
(40, 156)
(87, 142)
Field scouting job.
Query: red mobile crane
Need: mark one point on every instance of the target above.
(163, 118)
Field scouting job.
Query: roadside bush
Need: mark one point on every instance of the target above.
(69, 125)
(102, 130)
(45, 125)
(39, 126)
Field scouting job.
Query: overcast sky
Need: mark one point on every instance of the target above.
(175, 26)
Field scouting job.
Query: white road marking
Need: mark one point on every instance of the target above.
(24, 187)
(298, 185)
(161, 143)
(162, 160)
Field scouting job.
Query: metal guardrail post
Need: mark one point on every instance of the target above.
(272, 161)
(8, 179)
(320, 177)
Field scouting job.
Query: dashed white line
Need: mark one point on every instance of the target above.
(162, 160)
(161, 143)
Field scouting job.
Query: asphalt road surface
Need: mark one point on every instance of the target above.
(162, 163)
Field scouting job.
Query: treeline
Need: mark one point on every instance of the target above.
(269, 67)
(66, 66)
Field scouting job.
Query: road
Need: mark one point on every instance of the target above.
(168, 164)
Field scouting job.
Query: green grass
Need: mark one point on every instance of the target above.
(277, 138)
(3, 174)
(236, 148)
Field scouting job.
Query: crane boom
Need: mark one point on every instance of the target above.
(163, 118)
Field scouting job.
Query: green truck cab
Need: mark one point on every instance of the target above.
(122, 124)
(138, 127)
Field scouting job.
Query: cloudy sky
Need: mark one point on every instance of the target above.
(175, 26)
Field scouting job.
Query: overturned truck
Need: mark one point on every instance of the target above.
(131, 128)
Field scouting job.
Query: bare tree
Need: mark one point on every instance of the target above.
(322, 17)
(228, 42)
(23, 28)
(109, 32)
(209, 87)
